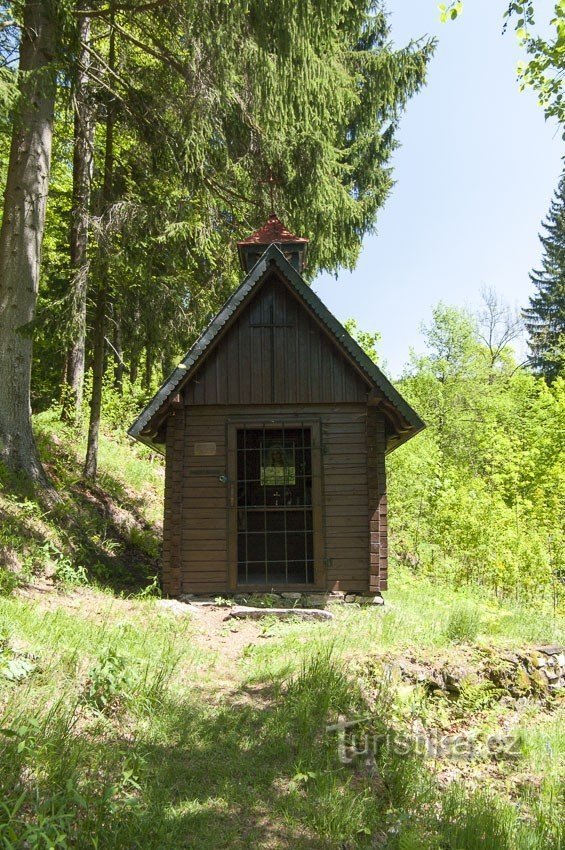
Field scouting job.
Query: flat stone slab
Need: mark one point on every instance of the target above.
(176, 607)
(242, 612)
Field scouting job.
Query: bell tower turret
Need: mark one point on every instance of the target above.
(273, 232)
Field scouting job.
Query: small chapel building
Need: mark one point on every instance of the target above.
(275, 428)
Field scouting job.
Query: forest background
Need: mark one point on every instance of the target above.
(157, 135)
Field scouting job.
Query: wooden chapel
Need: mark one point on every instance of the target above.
(275, 428)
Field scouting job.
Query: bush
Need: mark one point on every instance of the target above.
(464, 623)
(8, 582)
(109, 683)
(69, 574)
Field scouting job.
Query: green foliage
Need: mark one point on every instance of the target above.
(545, 317)
(411, 841)
(544, 71)
(451, 11)
(368, 341)
(15, 666)
(8, 581)
(256, 88)
(127, 734)
(477, 696)
(318, 692)
(464, 623)
(68, 573)
(110, 682)
(151, 591)
(222, 602)
(479, 496)
(109, 537)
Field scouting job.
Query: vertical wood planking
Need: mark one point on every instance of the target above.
(308, 365)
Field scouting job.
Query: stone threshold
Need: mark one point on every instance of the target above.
(285, 599)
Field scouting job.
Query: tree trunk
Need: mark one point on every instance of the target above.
(21, 236)
(98, 352)
(83, 158)
(102, 294)
(148, 371)
(135, 346)
(119, 367)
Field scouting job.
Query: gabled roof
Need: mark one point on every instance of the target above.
(399, 410)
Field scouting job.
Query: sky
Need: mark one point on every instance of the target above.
(475, 174)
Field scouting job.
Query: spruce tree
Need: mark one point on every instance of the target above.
(545, 317)
(208, 99)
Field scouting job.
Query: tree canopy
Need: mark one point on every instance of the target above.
(545, 316)
(167, 122)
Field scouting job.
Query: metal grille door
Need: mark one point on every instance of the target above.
(274, 506)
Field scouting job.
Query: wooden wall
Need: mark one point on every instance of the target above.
(197, 520)
(276, 353)
(378, 519)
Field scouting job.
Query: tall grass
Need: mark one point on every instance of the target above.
(417, 613)
(120, 737)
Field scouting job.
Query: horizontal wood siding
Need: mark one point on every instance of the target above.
(275, 353)
(378, 521)
(196, 503)
(204, 514)
(172, 522)
(346, 500)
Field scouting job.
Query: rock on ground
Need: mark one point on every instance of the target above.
(245, 613)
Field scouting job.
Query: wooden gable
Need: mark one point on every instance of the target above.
(276, 352)
(274, 342)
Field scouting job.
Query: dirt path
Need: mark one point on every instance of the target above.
(230, 637)
(223, 641)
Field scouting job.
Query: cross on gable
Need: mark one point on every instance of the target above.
(271, 323)
(271, 181)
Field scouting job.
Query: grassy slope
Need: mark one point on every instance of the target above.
(111, 530)
(125, 725)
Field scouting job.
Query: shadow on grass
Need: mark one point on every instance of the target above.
(203, 774)
(242, 773)
(223, 783)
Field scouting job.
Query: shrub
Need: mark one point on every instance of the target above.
(109, 683)
(69, 574)
(464, 623)
(8, 582)
(150, 591)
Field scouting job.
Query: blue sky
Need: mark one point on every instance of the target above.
(474, 178)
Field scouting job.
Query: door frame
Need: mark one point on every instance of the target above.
(276, 422)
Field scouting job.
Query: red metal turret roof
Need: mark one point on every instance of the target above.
(272, 231)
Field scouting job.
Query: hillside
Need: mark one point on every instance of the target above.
(108, 533)
(132, 722)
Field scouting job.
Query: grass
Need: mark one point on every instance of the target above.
(135, 743)
(108, 533)
(543, 746)
(119, 735)
(124, 725)
(417, 614)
